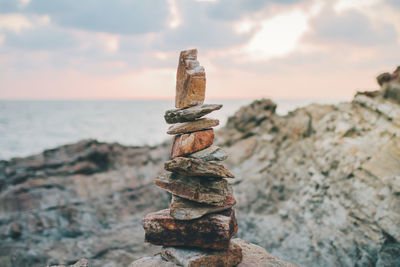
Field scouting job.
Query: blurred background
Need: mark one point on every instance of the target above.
(106, 69)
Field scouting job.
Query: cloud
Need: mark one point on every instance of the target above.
(116, 17)
(14, 22)
(352, 27)
(234, 10)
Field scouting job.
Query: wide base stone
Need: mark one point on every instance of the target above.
(203, 257)
(213, 231)
(183, 209)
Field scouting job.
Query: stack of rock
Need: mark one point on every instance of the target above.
(197, 228)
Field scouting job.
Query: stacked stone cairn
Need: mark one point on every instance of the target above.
(198, 227)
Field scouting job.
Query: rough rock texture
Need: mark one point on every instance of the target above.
(390, 84)
(199, 189)
(183, 209)
(211, 153)
(154, 261)
(192, 126)
(190, 80)
(318, 187)
(253, 255)
(189, 257)
(84, 200)
(185, 144)
(212, 231)
(189, 114)
(197, 167)
(80, 263)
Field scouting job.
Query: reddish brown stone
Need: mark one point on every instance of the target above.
(190, 80)
(197, 167)
(213, 231)
(185, 144)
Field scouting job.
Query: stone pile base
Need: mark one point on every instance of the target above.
(240, 253)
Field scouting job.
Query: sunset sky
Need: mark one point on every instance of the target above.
(124, 49)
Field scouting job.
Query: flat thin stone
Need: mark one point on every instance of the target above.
(190, 80)
(212, 231)
(192, 126)
(190, 114)
(211, 153)
(197, 167)
(185, 144)
(183, 209)
(191, 257)
(209, 191)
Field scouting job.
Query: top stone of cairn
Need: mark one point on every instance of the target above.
(190, 80)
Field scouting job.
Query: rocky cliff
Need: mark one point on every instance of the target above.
(317, 187)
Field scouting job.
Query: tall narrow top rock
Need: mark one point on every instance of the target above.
(190, 80)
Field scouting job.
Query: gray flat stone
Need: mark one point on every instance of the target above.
(183, 209)
(197, 167)
(189, 114)
(212, 153)
(192, 126)
(191, 257)
(209, 191)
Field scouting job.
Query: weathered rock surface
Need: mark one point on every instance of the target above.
(253, 255)
(211, 153)
(317, 187)
(190, 80)
(185, 144)
(198, 189)
(80, 263)
(212, 231)
(84, 200)
(183, 209)
(189, 114)
(390, 84)
(197, 167)
(154, 261)
(189, 257)
(192, 126)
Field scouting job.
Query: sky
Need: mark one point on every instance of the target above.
(129, 49)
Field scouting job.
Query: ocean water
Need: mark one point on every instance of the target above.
(29, 127)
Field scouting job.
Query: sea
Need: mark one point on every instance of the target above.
(30, 126)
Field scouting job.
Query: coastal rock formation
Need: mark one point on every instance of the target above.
(316, 187)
